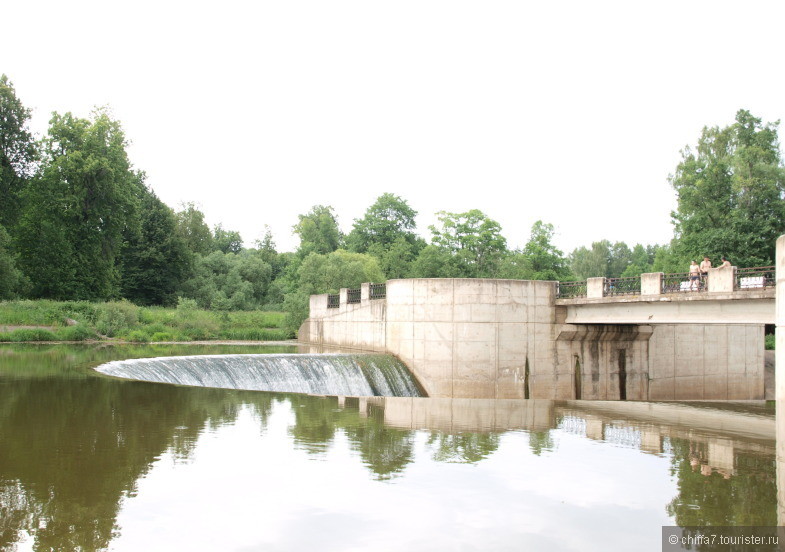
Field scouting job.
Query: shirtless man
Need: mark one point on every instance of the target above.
(705, 266)
(725, 262)
(694, 276)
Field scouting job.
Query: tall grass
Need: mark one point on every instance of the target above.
(81, 320)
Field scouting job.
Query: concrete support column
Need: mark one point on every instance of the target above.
(722, 279)
(651, 283)
(595, 288)
(318, 305)
(344, 293)
(365, 292)
(779, 378)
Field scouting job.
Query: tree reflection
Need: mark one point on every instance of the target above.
(711, 496)
(386, 451)
(74, 446)
(540, 441)
(464, 448)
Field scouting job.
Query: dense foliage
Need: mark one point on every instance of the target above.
(78, 222)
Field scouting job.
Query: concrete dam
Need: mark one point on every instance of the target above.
(515, 339)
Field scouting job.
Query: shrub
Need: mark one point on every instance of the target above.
(770, 341)
(35, 334)
(139, 336)
(75, 333)
(255, 334)
(186, 304)
(162, 336)
(115, 317)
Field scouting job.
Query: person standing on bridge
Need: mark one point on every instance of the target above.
(705, 266)
(695, 272)
(725, 262)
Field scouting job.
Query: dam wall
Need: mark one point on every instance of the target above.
(507, 339)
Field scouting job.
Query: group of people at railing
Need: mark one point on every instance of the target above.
(699, 273)
(696, 279)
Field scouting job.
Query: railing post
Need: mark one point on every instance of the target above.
(344, 293)
(595, 287)
(651, 283)
(722, 279)
(365, 291)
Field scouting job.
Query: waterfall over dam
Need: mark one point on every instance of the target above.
(357, 375)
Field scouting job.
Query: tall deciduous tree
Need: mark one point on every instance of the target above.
(227, 241)
(730, 193)
(388, 220)
(387, 232)
(318, 231)
(192, 228)
(539, 259)
(75, 212)
(17, 152)
(603, 259)
(474, 240)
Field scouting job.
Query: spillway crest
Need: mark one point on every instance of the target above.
(350, 375)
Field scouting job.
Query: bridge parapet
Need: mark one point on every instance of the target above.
(721, 280)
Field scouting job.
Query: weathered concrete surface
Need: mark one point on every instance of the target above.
(512, 339)
(780, 378)
(741, 307)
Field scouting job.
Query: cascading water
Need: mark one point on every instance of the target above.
(350, 375)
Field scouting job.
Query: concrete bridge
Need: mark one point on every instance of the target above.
(727, 295)
(483, 338)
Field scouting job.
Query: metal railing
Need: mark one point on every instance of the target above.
(758, 277)
(622, 286)
(568, 290)
(378, 291)
(333, 301)
(680, 282)
(353, 295)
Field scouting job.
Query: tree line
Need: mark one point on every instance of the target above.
(78, 222)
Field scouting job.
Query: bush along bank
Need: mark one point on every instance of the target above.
(44, 320)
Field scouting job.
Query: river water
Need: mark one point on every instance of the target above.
(91, 462)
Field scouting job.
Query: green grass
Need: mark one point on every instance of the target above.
(125, 321)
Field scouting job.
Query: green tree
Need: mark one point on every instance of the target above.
(227, 241)
(730, 194)
(10, 276)
(387, 232)
(318, 231)
(17, 153)
(75, 212)
(591, 263)
(387, 221)
(327, 274)
(227, 281)
(434, 262)
(539, 259)
(641, 260)
(155, 259)
(603, 259)
(192, 228)
(474, 240)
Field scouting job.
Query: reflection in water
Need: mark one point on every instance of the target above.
(79, 450)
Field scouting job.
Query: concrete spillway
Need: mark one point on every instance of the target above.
(352, 375)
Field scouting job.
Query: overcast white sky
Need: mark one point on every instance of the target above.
(571, 112)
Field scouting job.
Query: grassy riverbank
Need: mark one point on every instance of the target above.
(81, 320)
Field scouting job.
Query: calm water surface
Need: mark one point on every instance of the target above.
(89, 462)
